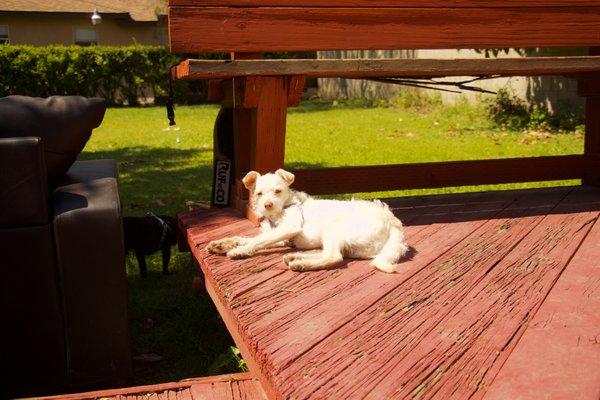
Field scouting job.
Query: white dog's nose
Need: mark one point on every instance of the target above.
(268, 205)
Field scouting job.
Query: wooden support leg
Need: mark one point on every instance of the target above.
(259, 128)
(268, 126)
(589, 86)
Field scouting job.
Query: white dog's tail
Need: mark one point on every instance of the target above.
(395, 247)
(393, 250)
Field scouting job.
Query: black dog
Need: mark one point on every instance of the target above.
(149, 234)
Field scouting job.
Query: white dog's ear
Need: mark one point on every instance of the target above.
(287, 177)
(250, 179)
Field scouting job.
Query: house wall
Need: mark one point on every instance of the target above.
(46, 30)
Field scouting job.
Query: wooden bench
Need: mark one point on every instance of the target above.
(500, 297)
(261, 90)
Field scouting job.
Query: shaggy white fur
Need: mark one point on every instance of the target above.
(354, 229)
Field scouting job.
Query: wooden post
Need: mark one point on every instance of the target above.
(259, 119)
(589, 86)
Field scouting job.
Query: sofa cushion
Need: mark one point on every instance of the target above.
(64, 123)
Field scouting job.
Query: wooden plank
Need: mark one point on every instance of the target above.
(295, 89)
(241, 93)
(558, 354)
(196, 29)
(378, 68)
(269, 122)
(461, 356)
(154, 390)
(383, 3)
(589, 86)
(444, 174)
(215, 91)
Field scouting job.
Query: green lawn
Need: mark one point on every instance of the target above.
(160, 170)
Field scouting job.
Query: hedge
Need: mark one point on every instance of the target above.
(120, 74)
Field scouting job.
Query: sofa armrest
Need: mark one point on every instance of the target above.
(91, 260)
(23, 182)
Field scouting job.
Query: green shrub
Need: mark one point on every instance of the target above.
(119, 74)
(509, 112)
(122, 75)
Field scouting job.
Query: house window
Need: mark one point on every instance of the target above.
(86, 36)
(4, 34)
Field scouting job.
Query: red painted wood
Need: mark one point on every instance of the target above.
(384, 3)
(443, 174)
(197, 29)
(443, 326)
(459, 358)
(558, 356)
(396, 68)
(241, 384)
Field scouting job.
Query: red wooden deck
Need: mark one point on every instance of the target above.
(242, 386)
(499, 300)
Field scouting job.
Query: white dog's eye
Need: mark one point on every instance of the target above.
(259, 194)
(277, 191)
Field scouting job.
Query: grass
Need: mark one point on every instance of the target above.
(162, 169)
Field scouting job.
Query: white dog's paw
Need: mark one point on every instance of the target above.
(222, 246)
(288, 258)
(384, 266)
(296, 265)
(240, 252)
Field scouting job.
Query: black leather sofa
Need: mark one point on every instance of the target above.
(63, 287)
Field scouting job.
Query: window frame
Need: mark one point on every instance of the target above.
(7, 39)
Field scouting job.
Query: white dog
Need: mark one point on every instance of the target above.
(354, 229)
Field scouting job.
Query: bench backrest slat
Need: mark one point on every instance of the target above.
(196, 26)
(385, 3)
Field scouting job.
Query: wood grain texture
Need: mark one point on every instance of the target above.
(268, 126)
(443, 174)
(196, 29)
(241, 386)
(442, 327)
(296, 85)
(408, 68)
(559, 353)
(384, 3)
(462, 356)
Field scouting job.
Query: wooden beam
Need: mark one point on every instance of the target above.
(249, 29)
(444, 174)
(295, 89)
(384, 3)
(402, 68)
(242, 92)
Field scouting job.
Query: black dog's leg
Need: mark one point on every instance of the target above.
(166, 257)
(142, 264)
